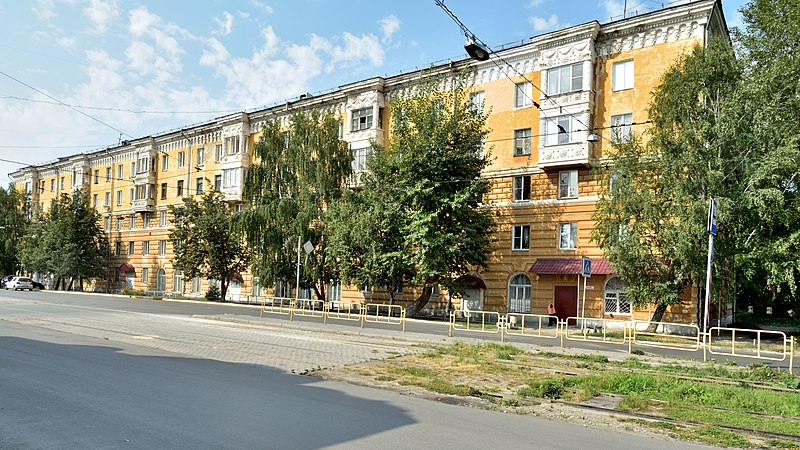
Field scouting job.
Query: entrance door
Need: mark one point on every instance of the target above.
(472, 300)
(566, 302)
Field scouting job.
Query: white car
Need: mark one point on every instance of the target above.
(18, 283)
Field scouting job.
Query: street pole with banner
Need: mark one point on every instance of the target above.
(712, 231)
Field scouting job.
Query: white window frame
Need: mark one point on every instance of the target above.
(621, 128)
(231, 178)
(554, 134)
(476, 102)
(622, 75)
(359, 163)
(519, 294)
(181, 159)
(119, 172)
(199, 186)
(334, 293)
(361, 119)
(164, 163)
(119, 198)
(558, 77)
(522, 188)
(146, 220)
(522, 142)
(177, 281)
(523, 95)
(162, 247)
(218, 152)
(145, 248)
(201, 156)
(567, 184)
(567, 236)
(521, 237)
(614, 296)
(145, 276)
(162, 218)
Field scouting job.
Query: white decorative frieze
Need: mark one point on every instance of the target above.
(645, 37)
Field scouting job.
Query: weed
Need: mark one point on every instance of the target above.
(384, 378)
(717, 436)
(782, 443)
(503, 355)
(633, 403)
(441, 386)
(420, 372)
(637, 351)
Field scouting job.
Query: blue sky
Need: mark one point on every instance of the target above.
(143, 67)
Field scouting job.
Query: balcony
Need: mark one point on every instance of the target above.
(144, 205)
(563, 156)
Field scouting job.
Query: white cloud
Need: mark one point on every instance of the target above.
(68, 42)
(225, 24)
(266, 9)
(45, 9)
(101, 13)
(355, 48)
(162, 59)
(613, 7)
(535, 3)
(540, 24)
(389, 25)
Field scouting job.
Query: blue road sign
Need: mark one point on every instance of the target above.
(586, 264)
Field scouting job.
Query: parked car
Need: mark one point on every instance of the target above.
(37, 285)
(5, 279)
(19, 283)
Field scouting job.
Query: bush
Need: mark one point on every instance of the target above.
(212, 294)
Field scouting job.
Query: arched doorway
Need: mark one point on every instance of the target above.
(161, 280)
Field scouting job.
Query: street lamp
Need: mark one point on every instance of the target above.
(475, 50)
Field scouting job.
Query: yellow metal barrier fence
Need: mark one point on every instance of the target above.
(381, 313)
(612, 331)
(533, 325)
(745, 343)
(308, 308)
(276, 305)
(673, 336)
(476, 321)
(344, 311)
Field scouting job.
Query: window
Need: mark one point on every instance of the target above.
(359, 163)
(177, 281)
(163, 191)
(522, 188)
(117, 248)
(180, 188)
(238, 207)
(133, 168)
(164, 163)
(519, 294)
(523, 95)
(146, 218)
(143, 164)
(162, 247)
(119, 223)
(161, 280)
(119, 198)
(62, 183)
(522, 142)
(559, 130)
(181, 159)
(96, 176)
(162, 219)
(119, 172)
(232, 145)
(568, 184)
(334, 290)
(108, 174)
(561, 80)
(521, 237)
(94, 200)
(282, 289)
(616, 300)
(196, 285)
(201, 157)
(567, 236)
(132, 195)
(480, 152)
(476, 101)
(141, 192)
(218, 152)
(130, 248)
(217, 182)
(133, 221)
(145, 277)
(361, 119)
(107, 201)
(199, 186)
(53, 185)
(231, 177)
(622, 76)
(621, 128)
(146, 248)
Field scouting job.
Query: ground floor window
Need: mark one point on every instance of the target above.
(177, 281)
(616, 300)
(334, 290)
(519, 294)
(196, 285)
(161, 280)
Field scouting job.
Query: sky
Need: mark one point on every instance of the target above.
(129, 69)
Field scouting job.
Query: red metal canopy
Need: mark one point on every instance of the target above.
(126, 268)
(471, 281)
(549, 266)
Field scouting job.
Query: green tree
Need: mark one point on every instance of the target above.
(768, 265)
(652, 225)
(207, 242)
(68, 241)
(421, 197)
(296, 174)
(12, 227)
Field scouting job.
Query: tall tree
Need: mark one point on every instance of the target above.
(428, 177)
(652, 225)
(297, 173)
(206, 240)
(12, 227)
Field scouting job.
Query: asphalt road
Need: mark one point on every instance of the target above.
(71, 376)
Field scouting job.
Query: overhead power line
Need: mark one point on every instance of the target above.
(133, 111)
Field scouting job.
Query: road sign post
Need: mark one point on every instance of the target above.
(712, 231)
(586, 271)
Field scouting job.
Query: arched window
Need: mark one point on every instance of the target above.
(519, 294)
(161, 280)
(177, 281)
(616, 300)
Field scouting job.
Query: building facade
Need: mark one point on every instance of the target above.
(555, 104)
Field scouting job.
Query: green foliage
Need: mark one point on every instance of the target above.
(68, 241)
(419, 204)
(12, 227)
(296, 175)
(207, 243)
(212, 294)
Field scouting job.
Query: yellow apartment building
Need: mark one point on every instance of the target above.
(555, 104)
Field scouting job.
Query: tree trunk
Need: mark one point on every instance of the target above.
(71, 282)
(223, 288)
(658, 314)
(420, 302)
(80, 283)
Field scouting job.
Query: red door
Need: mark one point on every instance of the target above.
(566, 299)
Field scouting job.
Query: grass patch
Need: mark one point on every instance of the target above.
(384, 378)
(715, 436)
(634, 404)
